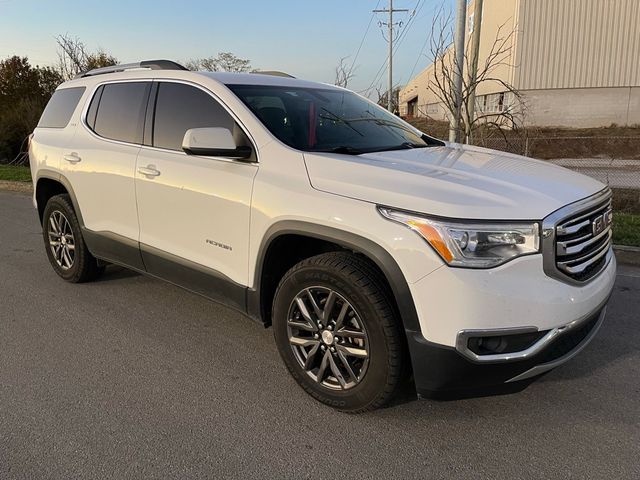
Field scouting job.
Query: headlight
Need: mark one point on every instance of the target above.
(472, 244)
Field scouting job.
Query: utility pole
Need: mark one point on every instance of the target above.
(461, 18)
(473, 73)
(390, 24)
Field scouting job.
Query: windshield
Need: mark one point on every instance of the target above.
(328, 120)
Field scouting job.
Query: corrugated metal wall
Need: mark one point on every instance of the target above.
(578, 43)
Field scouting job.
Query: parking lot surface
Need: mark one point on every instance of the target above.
(130, 377)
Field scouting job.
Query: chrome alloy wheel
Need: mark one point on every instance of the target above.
(61, 240)
(328, 338)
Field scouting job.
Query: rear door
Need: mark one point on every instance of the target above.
(101, 169)
(193, 210)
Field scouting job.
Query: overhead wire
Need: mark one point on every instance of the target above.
(363, 38)
(401, 36)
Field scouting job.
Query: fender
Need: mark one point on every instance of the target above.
(351, 241)
(58, 177)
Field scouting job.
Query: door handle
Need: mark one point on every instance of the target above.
(72, 157)
(149, 171)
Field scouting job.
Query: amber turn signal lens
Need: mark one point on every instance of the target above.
(431, 235)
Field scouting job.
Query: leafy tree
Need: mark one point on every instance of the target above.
(224, 62)
(24, 92)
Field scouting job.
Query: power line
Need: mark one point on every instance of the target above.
(363, 38)
(409, 24)
(390, 25)
(416, 11)
(424, 45)
(401, 36)
(384, 64)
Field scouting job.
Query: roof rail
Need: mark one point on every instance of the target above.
(146, 64)
(274, 73)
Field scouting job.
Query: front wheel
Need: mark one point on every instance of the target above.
(337, 332)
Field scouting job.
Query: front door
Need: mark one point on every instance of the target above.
(193, 210)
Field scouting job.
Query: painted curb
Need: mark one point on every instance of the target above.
(13, 186)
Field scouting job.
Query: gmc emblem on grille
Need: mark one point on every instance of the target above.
(601, 222)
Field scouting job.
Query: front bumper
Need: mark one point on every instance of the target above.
(441, 371)
(454, 305)
(516, 295)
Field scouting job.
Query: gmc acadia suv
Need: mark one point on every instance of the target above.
(374, 250)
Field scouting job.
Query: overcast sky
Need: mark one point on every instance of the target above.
(303, 37)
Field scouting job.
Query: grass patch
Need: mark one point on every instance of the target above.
(626, 229)
(16, 174)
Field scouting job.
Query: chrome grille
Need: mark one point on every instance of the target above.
(578, 238)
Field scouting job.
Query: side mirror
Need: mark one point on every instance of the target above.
(213, 142)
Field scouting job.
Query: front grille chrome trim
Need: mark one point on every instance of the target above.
(585, 261)
(562, 230)
(558, 252)
(564, 248)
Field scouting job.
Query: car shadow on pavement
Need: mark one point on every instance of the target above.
(116, 272)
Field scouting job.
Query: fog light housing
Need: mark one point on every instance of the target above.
(490, 345)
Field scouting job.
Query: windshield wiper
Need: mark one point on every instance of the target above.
(406, 146)
(342, 149)
(402, 146)
(338, 118)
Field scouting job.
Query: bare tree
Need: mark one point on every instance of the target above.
(224, 62)
(508, 113)
(383, 99)
(344, 73)
(74, 58)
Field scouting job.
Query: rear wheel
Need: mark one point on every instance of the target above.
(66, 250)
(337, 332)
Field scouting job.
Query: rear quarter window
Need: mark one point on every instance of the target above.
(61, 106)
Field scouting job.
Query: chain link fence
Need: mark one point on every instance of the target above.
(613, 160)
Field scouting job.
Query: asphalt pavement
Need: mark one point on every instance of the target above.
(130, 377)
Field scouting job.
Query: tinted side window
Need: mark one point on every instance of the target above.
(93, 108)
(180, 107)
(60, 108)
(120, 114)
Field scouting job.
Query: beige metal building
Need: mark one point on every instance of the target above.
(576, 63)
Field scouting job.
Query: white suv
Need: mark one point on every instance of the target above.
(374, 250)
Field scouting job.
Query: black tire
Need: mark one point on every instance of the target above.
(84, 266)
(355, 281)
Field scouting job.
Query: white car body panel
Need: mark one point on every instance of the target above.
(452, 181)
(516, 294)
(198, 209)
(105, 167)
(282, 192)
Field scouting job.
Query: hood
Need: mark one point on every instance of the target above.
(452, 181)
